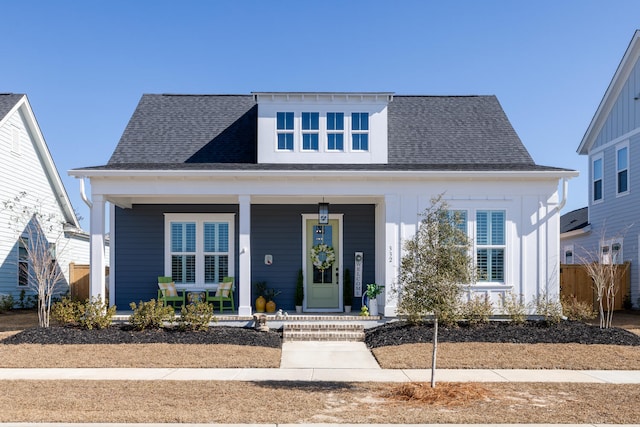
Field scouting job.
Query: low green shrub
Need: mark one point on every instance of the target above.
(478, 310)
(96, 314)
(66, 311)
(514, 308)
(6, 303)
(451, 316)
(93, 313)
(196, 317)
(27, 302)
(577, 310)
(549, 308)
(150, 314)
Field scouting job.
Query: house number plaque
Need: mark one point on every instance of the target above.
(357, 282)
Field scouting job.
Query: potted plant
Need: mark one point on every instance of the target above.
(372, 292)
(299, 296)
(347, 291)
(261, 287)
(270, 294)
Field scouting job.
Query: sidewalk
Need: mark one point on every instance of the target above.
(322, 375)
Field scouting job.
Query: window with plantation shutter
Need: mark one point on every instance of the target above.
(490, 245)
(199, 248)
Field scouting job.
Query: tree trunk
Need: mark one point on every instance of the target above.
(435, 352)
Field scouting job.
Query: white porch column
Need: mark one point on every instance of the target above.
(244, 292)
(388, 223)
(96, 274)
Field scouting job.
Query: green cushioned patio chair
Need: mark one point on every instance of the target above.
(222, 295)
(168, 294)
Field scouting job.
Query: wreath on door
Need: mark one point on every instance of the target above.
(317, 253)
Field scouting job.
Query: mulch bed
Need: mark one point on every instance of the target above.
(127, 335)
(531, 332)
(390, 334)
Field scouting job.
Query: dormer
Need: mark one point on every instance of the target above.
(322, 128)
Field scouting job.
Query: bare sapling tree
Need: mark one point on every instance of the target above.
(604, 266)
(436, 267)
(41, 235)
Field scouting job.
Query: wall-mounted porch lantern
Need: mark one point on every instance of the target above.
(323, 213)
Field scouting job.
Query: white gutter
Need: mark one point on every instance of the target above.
(83, 194)
(280, 173)
(565, 188)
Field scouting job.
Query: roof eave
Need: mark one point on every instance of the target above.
(461, 174)
(575, 233)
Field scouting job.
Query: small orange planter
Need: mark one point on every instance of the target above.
(271, 307)
(260, 303)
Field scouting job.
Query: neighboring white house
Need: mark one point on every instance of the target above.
(26, 167)
(206, 186)
(611, 229)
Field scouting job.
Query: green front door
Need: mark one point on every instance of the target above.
(322, 285)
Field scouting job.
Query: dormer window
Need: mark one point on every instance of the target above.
(323, 127)
(335, 131)
(285, 131)
(360, 131)
(310, 131)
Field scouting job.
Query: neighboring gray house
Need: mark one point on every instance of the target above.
(26, 167)
(206, 186)
(612, 142)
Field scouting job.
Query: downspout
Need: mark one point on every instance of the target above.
(565, 188)
(83, 194)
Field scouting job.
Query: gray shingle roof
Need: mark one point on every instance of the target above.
(7, 102)
(452, 129)
(220, 132)
(574, 220)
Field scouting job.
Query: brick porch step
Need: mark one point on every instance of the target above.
(322, 332)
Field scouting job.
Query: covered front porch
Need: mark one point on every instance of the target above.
(270, 238)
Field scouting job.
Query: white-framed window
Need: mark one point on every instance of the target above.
(199, 248)
(284, 127)
(611, 251)
(567, 255)
(360, 131)
(490, 245)
(310, 131)
(335, 131)
(597, 177)
(622, 169)
(23, 263)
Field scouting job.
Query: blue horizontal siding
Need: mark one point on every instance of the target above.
(275, 230)
(139, 248)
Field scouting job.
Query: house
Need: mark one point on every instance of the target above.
(205, 186)
(612, 143)
(27, 171)
(574, 227)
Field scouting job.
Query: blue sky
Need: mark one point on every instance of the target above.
(85, 64)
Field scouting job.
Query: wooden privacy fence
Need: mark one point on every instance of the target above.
(575, 282)
(79, 281)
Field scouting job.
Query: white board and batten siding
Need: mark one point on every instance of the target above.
(532, 224)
